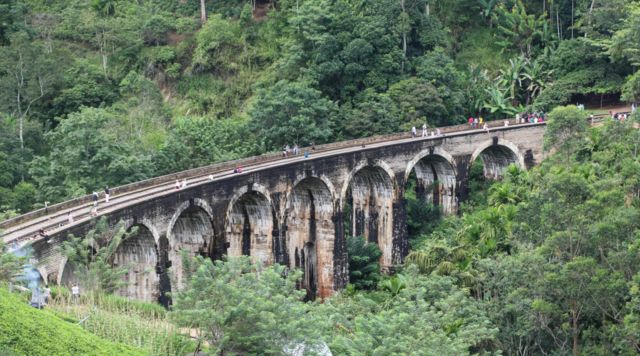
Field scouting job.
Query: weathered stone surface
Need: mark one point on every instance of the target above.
(291, 213)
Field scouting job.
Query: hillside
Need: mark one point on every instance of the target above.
(28, 331)
(111, 92)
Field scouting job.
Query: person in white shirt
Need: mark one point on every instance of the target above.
(75, 293)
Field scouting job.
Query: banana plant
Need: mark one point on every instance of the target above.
(536, 77)
(499, 103)
(513, 76)
(487, 9)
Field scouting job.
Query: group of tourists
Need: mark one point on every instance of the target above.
(531, 117)
(96, 198)
(425, 132)
(622, 116)
(180, 184)
(476, 122)
(295, 150)
(288, 150)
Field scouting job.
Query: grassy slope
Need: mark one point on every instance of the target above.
(28, 331)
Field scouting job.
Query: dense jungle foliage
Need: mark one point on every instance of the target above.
(106, 92)
(544, 262)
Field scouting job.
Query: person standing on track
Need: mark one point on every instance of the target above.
(107, 192)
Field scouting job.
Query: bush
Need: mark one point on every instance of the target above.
(364, 268)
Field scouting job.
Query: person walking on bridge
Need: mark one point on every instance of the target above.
(95, 198)
(424, 130)
(414, 132)
(107, 192)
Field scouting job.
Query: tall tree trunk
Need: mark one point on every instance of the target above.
(558, 24)
(593, 2)
(572, 22)
(575, 332)
(203, 12)
(404, 39)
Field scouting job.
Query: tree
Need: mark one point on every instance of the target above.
(25, 78)
(418, 313)
(517, 27)
(219, 46)
(566, 129)
(90, 257)
(11, 265)
(87, 153)
(241, 307)
(372, 114)
(199, 141)
(203, 12)
(291, 113)
(631, 89)
(417, 102)
(364, 266)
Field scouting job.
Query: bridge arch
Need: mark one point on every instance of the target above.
(435, 171)
(496, 155)
(371, 191)
(249, 224)
(139, 253)
(310, 233)
(191, 229)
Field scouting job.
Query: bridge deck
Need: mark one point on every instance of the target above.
(24, 229)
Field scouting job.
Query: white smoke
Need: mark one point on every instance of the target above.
(30, 276)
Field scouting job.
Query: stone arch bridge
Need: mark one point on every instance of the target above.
(294, 211)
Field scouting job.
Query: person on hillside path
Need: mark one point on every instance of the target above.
(95, 198)
(424, 130)
(75, 293)
(414, 132)
(46, 294)
(107, 192)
